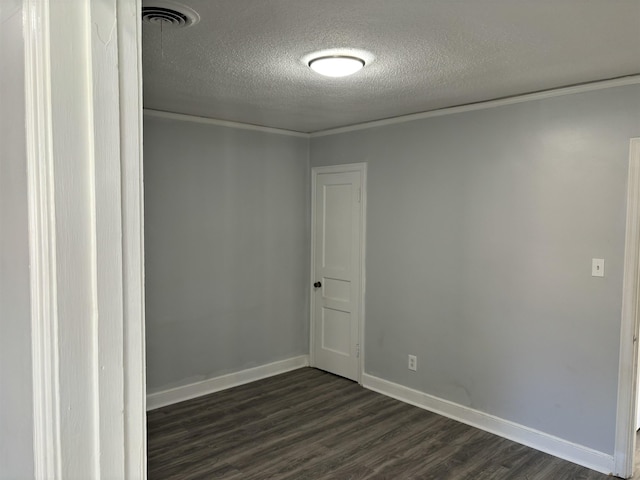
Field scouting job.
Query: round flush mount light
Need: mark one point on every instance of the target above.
(336, 65)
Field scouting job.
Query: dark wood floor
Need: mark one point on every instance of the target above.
(308, 424)
(636, 458)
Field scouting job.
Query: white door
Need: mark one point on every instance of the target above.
(337, 266)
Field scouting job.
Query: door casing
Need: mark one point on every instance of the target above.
(628, 364)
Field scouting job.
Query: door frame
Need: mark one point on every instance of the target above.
(628, 364)
(344, 168)
(84, 154)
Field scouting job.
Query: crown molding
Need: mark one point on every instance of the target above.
(221, 123)
(500, 102)
(529, 97)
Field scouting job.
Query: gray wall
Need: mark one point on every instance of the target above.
(227, 249)
(16, 418)
(481, 229)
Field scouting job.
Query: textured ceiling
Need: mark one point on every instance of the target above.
(244, 60)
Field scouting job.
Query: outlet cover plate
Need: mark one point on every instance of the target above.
(413, 363)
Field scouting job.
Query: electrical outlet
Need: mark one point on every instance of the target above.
(413, 362)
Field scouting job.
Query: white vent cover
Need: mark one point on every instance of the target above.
(168, 14)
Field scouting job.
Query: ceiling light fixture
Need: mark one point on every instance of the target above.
(336, 65)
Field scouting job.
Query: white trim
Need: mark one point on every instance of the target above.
(312, 270)
(627, 370)
(529, 97)
(42, 248)
(544, 442)
(83, 233)
(500, 102)
(223, 382)
(345, 168)
(130, 72)
(221, 123)
(363, 271)
(106, 238)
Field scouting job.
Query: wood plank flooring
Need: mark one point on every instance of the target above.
(309, 424)
(636, 458)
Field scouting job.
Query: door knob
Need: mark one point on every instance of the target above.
(317, 284)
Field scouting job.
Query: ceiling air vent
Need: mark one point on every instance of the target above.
(168, 14)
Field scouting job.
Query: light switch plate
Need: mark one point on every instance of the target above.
(597, 267)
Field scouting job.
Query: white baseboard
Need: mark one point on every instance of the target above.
(212, 385)
(544, 442)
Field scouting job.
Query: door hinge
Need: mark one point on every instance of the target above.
(357, 350)
(359, 195)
